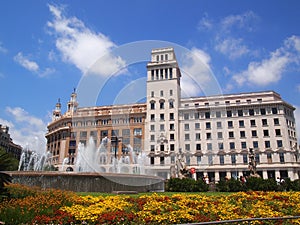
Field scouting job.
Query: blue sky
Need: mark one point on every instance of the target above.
(47, 47)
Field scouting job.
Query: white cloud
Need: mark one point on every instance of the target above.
(25, 129)
(240, 21)
(32, 66)
(26, 63)
(197, 72)
(81, 46)
(270, 70)
(233, 48)
(205, 23)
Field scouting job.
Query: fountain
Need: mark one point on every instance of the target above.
(91, 159)
(95, 170)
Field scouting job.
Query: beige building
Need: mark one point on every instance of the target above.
(213, 133)
(7, 143)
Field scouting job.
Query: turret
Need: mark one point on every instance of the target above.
(72, 104)
(56, 114)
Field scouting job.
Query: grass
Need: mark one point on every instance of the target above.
(95, 194)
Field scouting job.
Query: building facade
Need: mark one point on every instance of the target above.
(7, 143)
(212, 133)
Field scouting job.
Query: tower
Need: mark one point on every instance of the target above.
(56, 114)
(163, 100)
(72, 104)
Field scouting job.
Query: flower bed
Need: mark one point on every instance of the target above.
(58, 207)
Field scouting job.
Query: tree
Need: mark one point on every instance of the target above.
(7, 162)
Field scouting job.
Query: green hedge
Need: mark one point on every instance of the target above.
(232, 185)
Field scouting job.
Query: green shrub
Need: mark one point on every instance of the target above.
(185, 185)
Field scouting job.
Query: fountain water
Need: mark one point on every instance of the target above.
(92, 159)
(32, 161)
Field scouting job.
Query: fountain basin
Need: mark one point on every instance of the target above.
(89, 181)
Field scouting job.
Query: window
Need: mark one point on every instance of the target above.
(219, 125)
(264, 122)
(254, 133)
(242, 134)
(171, 126)
(188, 160)
(152, 127)
(186, 126)
(279, 143)
(152, 94)
(171, 92)
(241, 123)
(229, 113)
(220, 135)
(251, 112)
(240, 112)
(126, 132)
(263, 111)
(162, 105)
(274, 111)
(152, 137)
(152, 117)
(152, 105)
(245, 158)
(252, 123)
(198, 160)
(196, 115)
(230, 134)
(276, 121)
(187, 147)
(186, 116)
(187, 137)
(221, 157)
(266, 133)
(209, 146)
(171, 116)
(269, 157)
(277, 132)
(152, 148)
(114, 132)
(230, 124)
(172, 137)
(231, 145)
(218, 114)
(221, 146)
(162, 127)
(162, 160)
(197, 126)
(162, 116)
(255, 144)
(152, 160)
(161, 93)
(83, 134)
(198, 137)
(198, 147)
(233, 158)
(172, 147)
(243, 145)
(210, 160)
(208, 135)
(208, 126)
(137, 131)
(267, 144)
(281, 157)
(207, 115)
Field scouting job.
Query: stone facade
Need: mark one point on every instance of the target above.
(213, 133)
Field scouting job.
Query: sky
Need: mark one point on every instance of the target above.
(48, 48)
